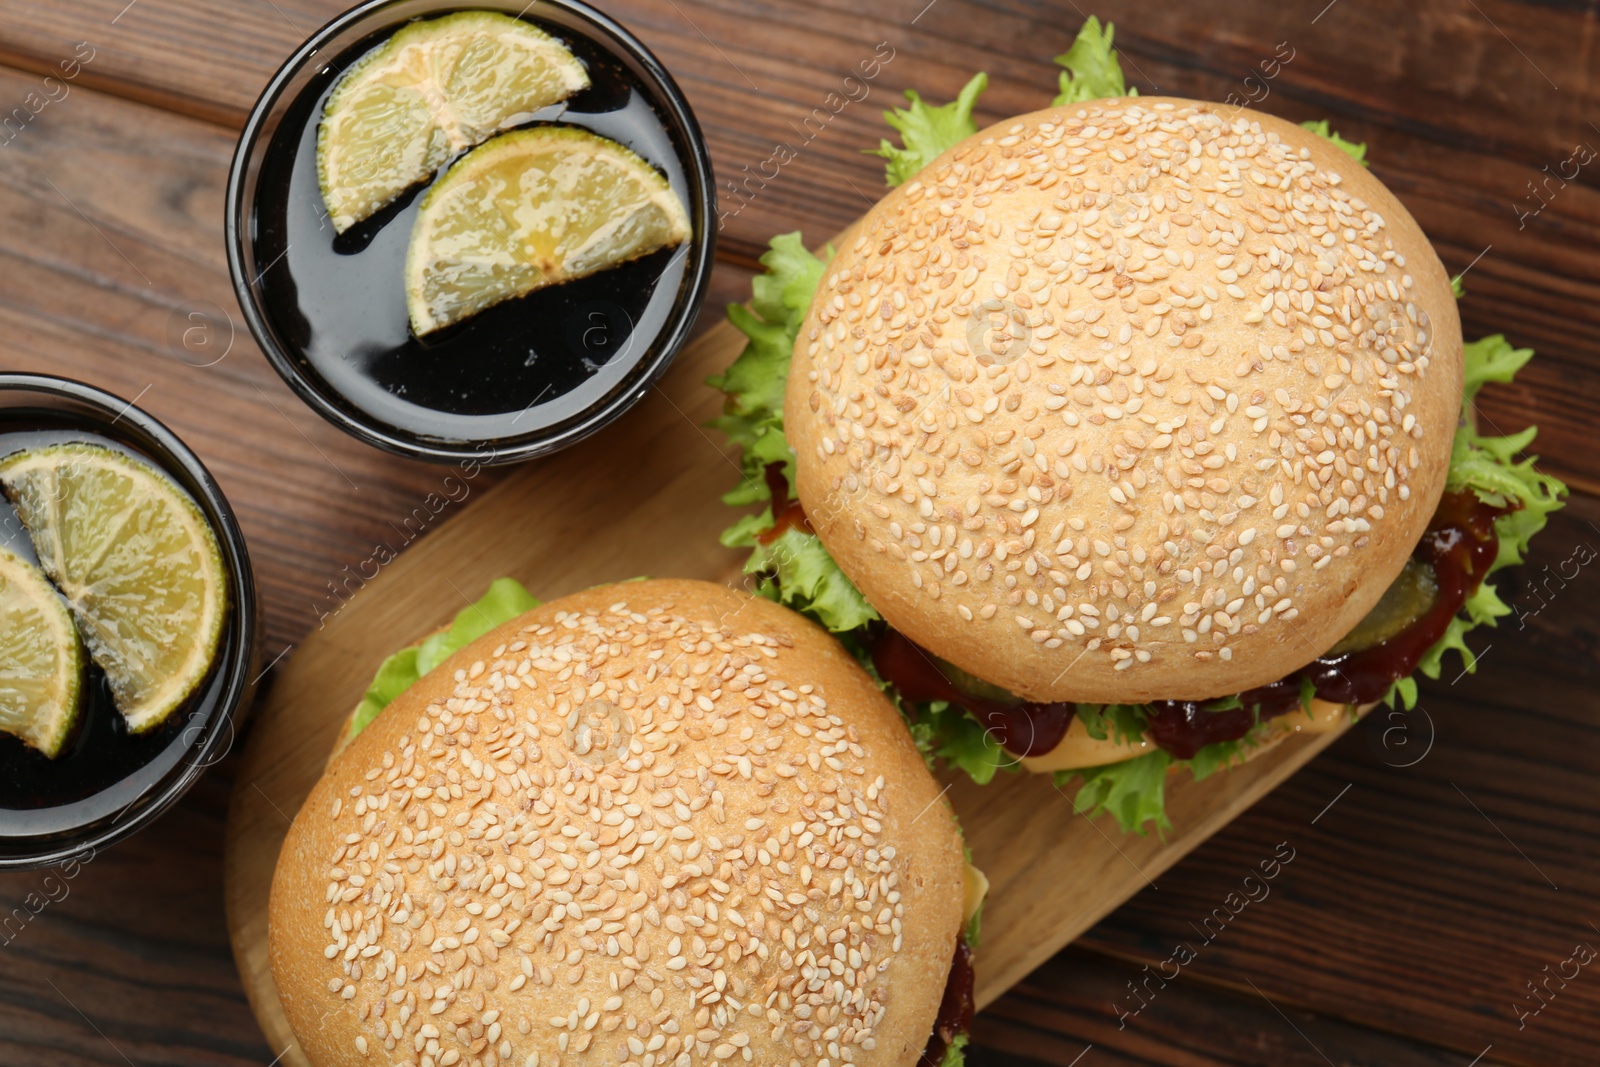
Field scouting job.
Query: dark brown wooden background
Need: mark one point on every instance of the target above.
(1417, 906)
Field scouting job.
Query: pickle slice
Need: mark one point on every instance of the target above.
(1407, 599)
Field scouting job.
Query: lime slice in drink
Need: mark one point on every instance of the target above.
(529, 209)
(431, 90)
(137, 563)
(41, 661)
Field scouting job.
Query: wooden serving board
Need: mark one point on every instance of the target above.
(642, 498)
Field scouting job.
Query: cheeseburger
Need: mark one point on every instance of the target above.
(1127, 434)
(652, 823)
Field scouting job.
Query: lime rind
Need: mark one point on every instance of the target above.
(433, 89)
(137, 563)
(528, 209)
(41, 659)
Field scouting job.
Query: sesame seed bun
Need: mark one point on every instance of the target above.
(652, 823)
(1212, 427)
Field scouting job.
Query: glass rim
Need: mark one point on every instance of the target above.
(693, 156)
(168, 452)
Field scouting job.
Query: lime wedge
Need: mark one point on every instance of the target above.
(41, 661)
(431, 90)
(137, 563)
(529, 209)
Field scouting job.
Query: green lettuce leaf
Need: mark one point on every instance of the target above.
(1134, 792)
(955, 1054)
(798, 572)
(1119, 722)
(974, 931)
(1495, 469)
(952, 735)
(753, 412)
(1093, 71)
(927, 131)
(393, 678)
(1489, 359)
(504, 601)
(1214, 757)
(1357, 152)
(1404, 692)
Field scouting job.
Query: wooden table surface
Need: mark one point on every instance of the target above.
(1442, 862)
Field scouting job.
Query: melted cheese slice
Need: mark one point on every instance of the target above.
(977, 887)
(1077, 749)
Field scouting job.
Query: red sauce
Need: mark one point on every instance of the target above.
(955, 1010)
(1459, 545)
(786, 513)
(1022, 728)
(1184, 727)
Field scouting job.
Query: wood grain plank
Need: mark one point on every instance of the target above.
(1427, 897)
(1058, 1017)
(1473, 72)
(125, 958)
(1442, 96)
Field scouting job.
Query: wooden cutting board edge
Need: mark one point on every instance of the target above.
(670, 472)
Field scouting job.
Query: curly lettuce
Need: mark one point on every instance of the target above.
(1357, 152)
(927, 131)
(1497, 471)
(795, 569)
(504, 601)
(1092, 68)
(1132, 792)
(752, 415)
(972, 933)
(950, 734)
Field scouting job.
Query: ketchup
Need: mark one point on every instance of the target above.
(1459, 545)
(1184, 727)
(955, 1010)
(1022, 728)
(786, 513)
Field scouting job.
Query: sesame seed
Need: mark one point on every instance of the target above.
(1039, 389)
(560, 821)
